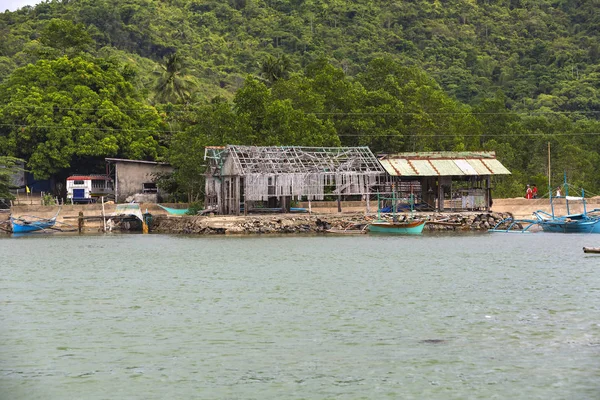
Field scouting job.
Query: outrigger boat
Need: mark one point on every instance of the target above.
(569, 223)
(354, 229)
(410, 226)
(174, 211)
(583, 222)
(32, 223)
(594, 250)
(405, 227)
(512, 225)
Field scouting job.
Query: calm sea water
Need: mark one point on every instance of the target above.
(168, 317)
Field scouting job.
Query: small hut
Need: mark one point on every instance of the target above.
(136, 179)
(250, 178)
(445, 180)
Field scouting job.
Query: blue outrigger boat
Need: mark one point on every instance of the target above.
(583, 222)
(32, 224)
(569, 223)
(23, 226)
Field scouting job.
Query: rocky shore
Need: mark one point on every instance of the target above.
(303, 223)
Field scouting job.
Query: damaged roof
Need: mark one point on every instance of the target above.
(298, 159)
(444, 163)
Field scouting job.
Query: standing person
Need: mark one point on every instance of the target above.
(534, 192)
(558, 193)
(528, 193)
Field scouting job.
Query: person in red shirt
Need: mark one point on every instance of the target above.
(528, 193)
(534, 192)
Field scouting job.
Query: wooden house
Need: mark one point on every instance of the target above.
(242, 179)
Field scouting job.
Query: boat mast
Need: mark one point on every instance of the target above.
(550, 183)
(566, 193)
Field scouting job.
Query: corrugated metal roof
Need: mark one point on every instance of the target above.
(124, 160)
(88, 177)
(447, 168)
(496, 167)
(468, 167)
(443, 164)
(430, 155)
(398, 167)
(423, 167)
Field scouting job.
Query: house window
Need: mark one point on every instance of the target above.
(149, 187)
(77, 182)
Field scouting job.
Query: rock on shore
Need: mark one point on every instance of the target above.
(288, 223)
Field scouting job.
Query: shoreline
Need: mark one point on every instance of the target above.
(313, 223)
(322, 217)
(289, 223)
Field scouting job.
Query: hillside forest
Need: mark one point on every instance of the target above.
(81, 80)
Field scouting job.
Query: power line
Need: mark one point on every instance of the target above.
(90, 128)
(150, 108)
(52, 108)
(370, 135)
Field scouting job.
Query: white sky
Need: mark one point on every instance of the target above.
(12, 5)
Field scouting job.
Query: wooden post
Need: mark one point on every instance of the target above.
(103, 216)
(440, 195)
(238, 195)
(80, 222)
(309, 207)
(339, 203)
(488, 193)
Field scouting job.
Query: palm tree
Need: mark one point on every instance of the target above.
(273, 69)
(173, 86)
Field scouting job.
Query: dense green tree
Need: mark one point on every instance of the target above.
(397, 76)
(55, 110)
(66, 37)
(8, 167)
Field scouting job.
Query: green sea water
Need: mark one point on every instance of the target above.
(485, 316)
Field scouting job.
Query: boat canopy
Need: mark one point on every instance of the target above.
(574, 198)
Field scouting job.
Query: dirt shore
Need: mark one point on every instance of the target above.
(324, 215)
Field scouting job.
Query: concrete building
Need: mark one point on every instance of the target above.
(135, 179)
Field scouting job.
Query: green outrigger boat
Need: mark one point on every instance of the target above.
(405, 227)
(409, 226)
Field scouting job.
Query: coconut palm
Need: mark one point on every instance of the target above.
(273, 69)
(173, 85)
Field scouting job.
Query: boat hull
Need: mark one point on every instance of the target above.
(410, 228)
(591, 225)
(19, 227)
(593, 250)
